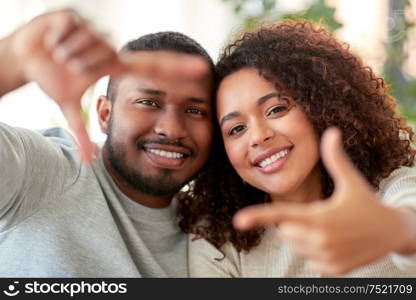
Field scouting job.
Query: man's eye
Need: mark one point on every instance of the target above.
(196, 111)
(236, 130)
(147, 102)
(277, 110)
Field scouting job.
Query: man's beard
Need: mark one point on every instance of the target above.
(161, 184)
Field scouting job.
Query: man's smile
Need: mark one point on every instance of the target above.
(166, 156)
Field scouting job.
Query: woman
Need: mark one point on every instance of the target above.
(280, 89)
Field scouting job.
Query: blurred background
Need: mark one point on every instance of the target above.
(381, 32)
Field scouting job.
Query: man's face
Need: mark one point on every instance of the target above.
(159, 132)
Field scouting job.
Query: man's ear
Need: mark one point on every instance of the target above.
(104, 107)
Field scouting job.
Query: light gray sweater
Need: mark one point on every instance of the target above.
(274, 257)
(59, 218)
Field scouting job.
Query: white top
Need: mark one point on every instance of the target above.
(274, 257)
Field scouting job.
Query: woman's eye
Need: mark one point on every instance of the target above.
(236, 130)
(147, 102)
(277, 110)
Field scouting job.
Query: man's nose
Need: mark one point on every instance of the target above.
(171, 125)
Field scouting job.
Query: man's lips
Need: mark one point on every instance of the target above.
(166, 156)
(169, 148)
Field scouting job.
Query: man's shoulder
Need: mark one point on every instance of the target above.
(46, 148)
(55, 135)
(60, 136)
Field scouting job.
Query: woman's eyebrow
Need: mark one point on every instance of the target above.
(228, 117)
(259, 102)
(264, 98)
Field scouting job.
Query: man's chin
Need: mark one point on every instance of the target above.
(158, 188)
(144, 177)
(161, 183)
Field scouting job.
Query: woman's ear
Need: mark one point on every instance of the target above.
(104, 107)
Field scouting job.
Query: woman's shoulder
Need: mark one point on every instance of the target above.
(206, 260)
(400, 183)
(198, 246)
(271, 258)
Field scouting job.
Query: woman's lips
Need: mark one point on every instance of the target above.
(275, 165)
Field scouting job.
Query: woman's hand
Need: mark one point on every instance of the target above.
(348, 230)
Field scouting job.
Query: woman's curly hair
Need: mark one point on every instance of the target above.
(333, 87)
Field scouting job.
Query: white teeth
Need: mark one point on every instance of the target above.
(166, 154)
(273, 158)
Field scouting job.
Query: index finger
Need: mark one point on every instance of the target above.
(270, 214)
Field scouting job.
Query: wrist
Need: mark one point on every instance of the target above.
(11, 71)
(15, 60)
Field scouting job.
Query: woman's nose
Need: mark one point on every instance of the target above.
(260, 133)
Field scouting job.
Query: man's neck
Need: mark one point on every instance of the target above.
(133, 193)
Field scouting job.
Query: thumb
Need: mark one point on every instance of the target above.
(335, 159)
(72, 112)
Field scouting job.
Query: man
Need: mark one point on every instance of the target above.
(115, 217)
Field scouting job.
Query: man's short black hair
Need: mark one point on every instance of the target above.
(166, 40)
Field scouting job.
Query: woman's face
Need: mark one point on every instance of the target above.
(268, 138)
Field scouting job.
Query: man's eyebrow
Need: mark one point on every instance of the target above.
(151, 91)
(228, 117)
(264, 98)
(159, 92)
(198, 100)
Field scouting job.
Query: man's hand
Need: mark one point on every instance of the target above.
(61, 52)
(336, 235)
(64, 56)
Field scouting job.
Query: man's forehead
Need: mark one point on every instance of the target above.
(165, 86)
(133, 81)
